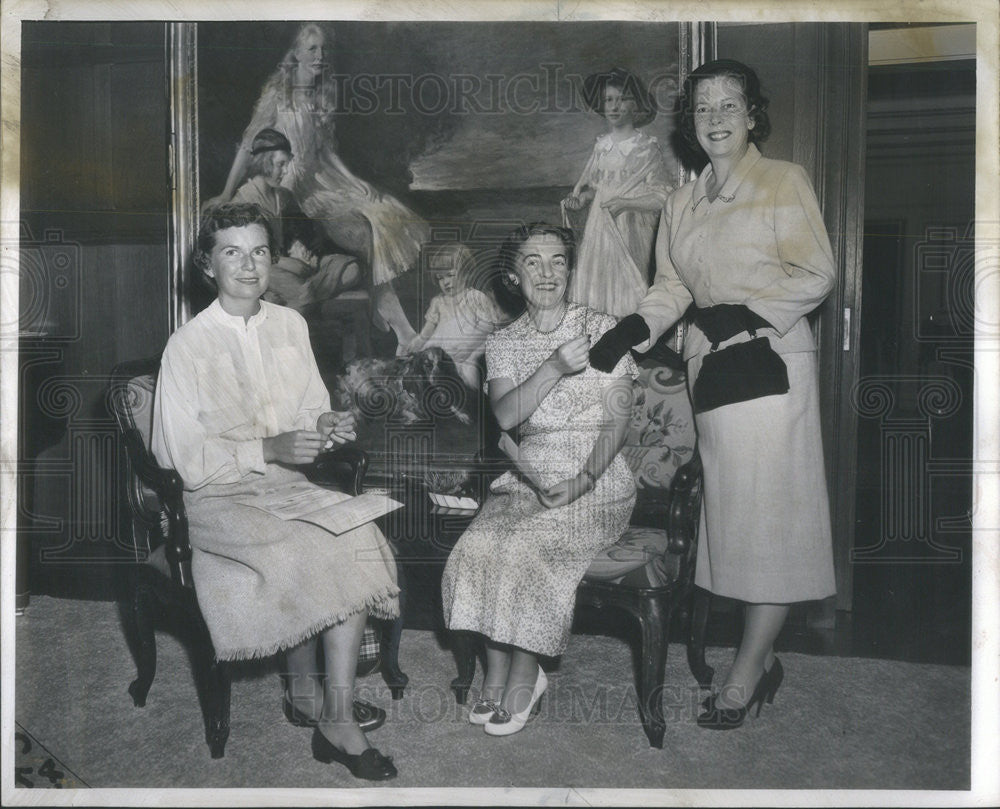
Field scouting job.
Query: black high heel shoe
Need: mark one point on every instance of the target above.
(370, 765)
(719, 718)
(367, 716)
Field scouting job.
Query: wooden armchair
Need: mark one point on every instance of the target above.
(160, 585)
(649, 573)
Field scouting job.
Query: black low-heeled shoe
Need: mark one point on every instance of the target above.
(718, 718)
(370, 765)
(367, 716)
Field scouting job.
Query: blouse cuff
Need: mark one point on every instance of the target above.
(250, 457)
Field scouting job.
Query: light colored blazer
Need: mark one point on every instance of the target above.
(761, 243)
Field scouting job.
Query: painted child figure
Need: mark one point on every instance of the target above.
(625, 183)
(306, 271)
(461, 318)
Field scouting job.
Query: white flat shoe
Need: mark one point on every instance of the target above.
(503, 723)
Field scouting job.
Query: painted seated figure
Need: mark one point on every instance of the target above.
(438, 375)
(460, 318)
(308, 268)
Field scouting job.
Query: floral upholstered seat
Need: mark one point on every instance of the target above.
(660, 440)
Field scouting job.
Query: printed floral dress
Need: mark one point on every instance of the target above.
(513, 574)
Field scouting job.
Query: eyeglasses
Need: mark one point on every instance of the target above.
(726, 109)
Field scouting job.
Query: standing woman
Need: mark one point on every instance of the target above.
(512, 576)
(299, 100)
(746, 242)
(625, 184)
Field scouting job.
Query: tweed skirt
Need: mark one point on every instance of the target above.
(764, 535)
(265, 584)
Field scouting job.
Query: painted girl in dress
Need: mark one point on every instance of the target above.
(625, 184)
(299, 100)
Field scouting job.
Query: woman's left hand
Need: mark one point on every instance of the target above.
(370, 192)
(616, 205)
(565, 492)
(338, 428)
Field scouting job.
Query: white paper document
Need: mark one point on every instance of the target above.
(337, 512)
(454, 502)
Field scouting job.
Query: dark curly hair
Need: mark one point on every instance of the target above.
(629, 84)
(229, 215)
(691, 153)
(516, 239)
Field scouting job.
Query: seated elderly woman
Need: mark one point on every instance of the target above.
(512, 576)
(239, 405)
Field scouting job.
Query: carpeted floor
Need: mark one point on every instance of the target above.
(841, 723)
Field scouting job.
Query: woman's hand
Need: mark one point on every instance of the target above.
(294, 448)
(572, 356)
(337, 427)
(574, 202)
(616, 205)
(369, 191)
(565, 491)
(616, 342)
(299, 251)
(212, 202)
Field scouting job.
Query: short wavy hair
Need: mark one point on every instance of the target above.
(229, 215)
(266, 144)
(516, 239)
(756, 101)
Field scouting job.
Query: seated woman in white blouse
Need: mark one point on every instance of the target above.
(239, 406)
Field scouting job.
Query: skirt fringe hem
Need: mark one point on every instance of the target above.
(379, 606)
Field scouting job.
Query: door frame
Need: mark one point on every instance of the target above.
(840, 186)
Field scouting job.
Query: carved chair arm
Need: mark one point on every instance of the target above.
(169, 489)
(652, 508)
(343, 467)
(684, 514)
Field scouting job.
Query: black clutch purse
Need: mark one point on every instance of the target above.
(739, 373)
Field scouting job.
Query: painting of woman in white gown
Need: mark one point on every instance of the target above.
(299, 100)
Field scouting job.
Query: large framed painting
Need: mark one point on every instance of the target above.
(391, 154)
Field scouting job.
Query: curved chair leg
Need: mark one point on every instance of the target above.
(140, 615)
(217, 713)
(464, 648)
(214, 683)
(653, 620)
(393, 676)
(701, 603)
(392, 631)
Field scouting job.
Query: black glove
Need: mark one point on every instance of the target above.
(727, 320)
(616, 342)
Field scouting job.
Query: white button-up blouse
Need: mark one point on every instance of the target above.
(225, 384)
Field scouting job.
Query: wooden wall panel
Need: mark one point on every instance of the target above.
(95, 274)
